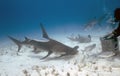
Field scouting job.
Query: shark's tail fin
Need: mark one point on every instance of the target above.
(44, 33)
(17, 42)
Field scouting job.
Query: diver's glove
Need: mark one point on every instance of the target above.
(109, 36)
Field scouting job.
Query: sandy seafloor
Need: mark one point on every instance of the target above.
(83, 64)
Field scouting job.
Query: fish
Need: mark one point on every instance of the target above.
(51, 46)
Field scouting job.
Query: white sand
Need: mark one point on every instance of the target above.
(28, 64)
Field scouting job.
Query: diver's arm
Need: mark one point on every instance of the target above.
(116, 32)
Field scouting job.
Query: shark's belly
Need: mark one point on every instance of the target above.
(59, 49)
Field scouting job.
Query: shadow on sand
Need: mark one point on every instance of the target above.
(53, 58)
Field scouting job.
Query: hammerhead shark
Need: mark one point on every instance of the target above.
(51, 46)
(95, 21)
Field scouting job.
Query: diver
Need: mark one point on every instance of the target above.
(116, 32)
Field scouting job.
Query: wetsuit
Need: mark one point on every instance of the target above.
(113, 36)
(116, 32)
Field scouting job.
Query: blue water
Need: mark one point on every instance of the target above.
(24, 16)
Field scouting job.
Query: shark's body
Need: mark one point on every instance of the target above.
(51, 46)
(89, 48)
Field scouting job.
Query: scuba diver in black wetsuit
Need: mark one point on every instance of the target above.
(116, 32)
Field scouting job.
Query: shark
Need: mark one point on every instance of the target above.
(80, 39)
(89, 48)
(95, 21)
(51, 46)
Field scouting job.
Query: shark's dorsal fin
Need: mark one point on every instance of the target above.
(26, 38)
(44, 33)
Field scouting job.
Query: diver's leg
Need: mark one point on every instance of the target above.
(49, 53)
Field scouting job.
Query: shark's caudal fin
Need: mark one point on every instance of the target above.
(44, 33)
(17, 42)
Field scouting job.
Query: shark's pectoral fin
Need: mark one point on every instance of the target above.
(49, 53)
(19, 47)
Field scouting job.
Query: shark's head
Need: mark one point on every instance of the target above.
(74, 51)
